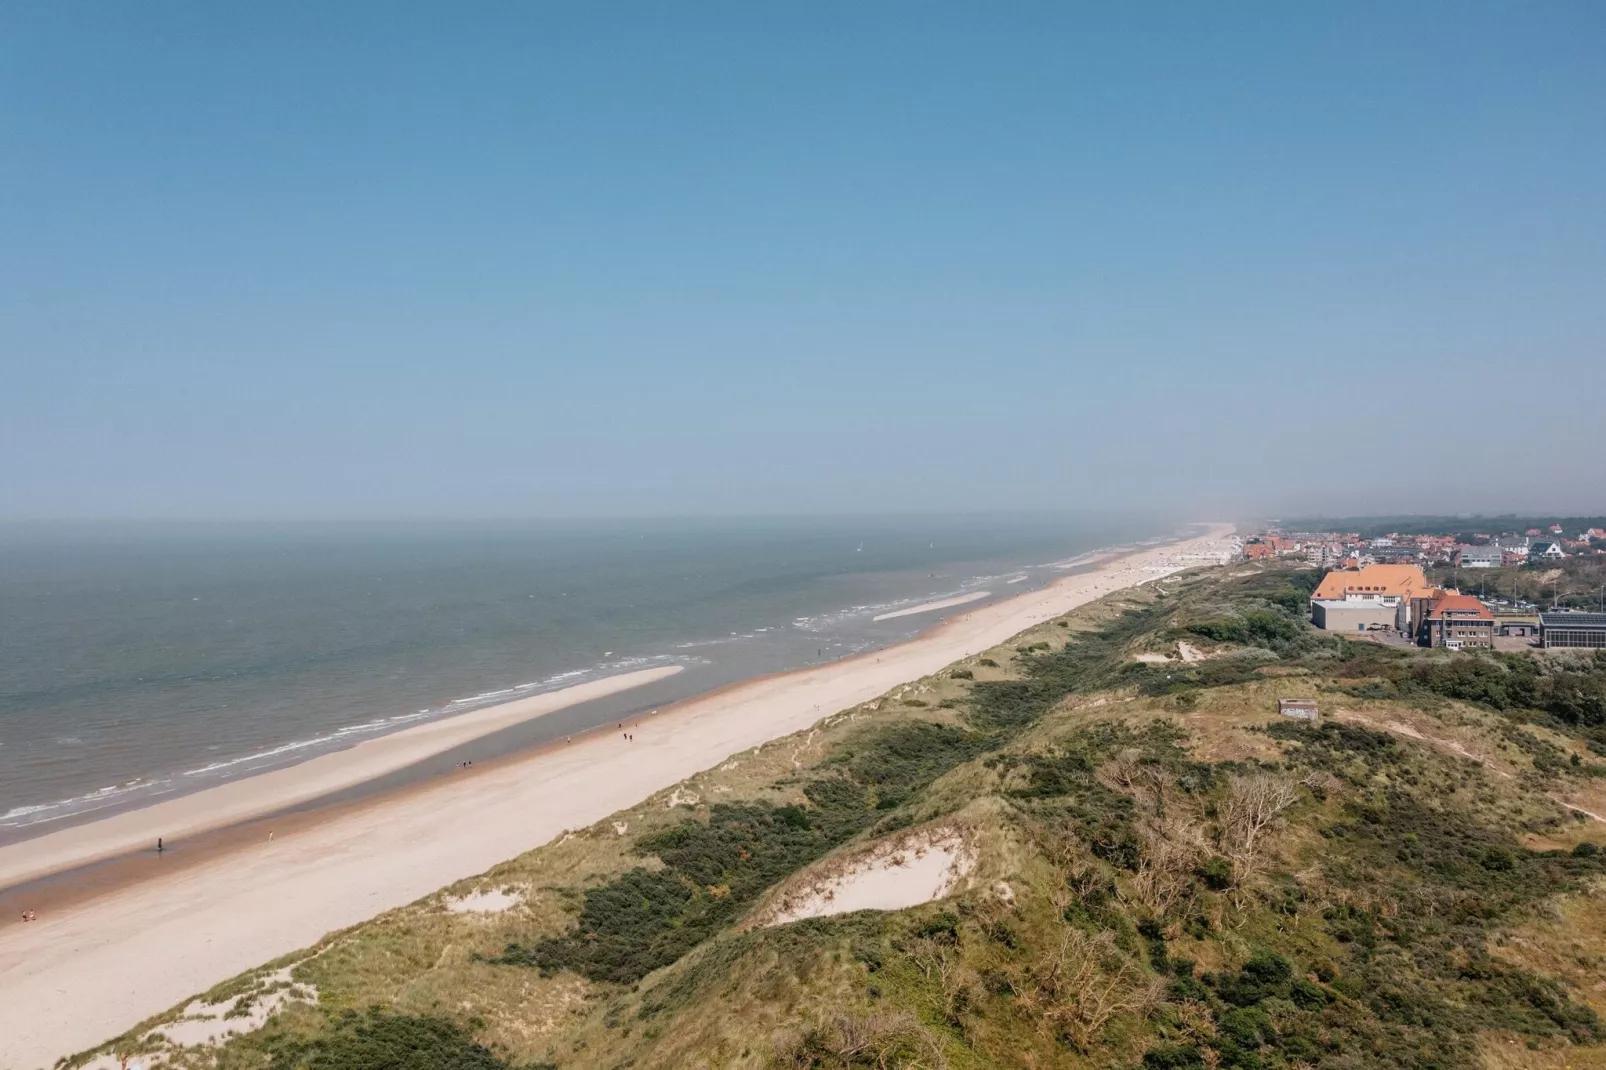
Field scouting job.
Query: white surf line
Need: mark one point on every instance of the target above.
(236, 801)
(927, 607)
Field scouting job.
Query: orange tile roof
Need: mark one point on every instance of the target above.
(1460, 603)
(1393, 580)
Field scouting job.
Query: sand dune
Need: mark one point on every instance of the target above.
(70, 981)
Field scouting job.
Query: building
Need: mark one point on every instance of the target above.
(1372, 582)
(1458, 621)
(1259, 551)
(1323, 554)
(1478, 557)
(1369, 598)
(1585, 631)
(1546, 551)
(1341, 615)
(1300, 708)
(1515, 545)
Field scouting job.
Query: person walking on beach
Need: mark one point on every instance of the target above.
(159, 847)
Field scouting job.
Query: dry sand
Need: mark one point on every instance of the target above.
(71, 981)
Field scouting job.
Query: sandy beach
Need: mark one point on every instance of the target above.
(72, 980)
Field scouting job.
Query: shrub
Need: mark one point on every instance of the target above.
(381, 1041)
(714, 870)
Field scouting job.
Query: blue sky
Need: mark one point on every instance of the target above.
(367, 261)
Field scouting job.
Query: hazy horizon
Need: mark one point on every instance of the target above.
(399, 263)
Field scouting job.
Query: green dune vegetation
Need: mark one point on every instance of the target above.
(1161, 872)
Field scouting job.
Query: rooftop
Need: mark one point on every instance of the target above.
(1395, 580)
(1573, 620)
(1461, 605)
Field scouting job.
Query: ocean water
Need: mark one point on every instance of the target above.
(138, 663)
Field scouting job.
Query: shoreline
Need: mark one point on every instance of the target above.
(141, 948)
(250, 798)
(343, 777)
(145, 781)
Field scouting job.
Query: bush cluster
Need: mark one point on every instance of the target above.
(379, 1040)
(714, 870)
(1572, 692)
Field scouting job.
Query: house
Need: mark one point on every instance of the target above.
(1478, 557)
(1458, 621)
(1546, 551)
(1514, 545)
(1585, 631)
(1259, 551)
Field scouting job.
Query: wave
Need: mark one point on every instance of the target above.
(297, 749)
(100, 798)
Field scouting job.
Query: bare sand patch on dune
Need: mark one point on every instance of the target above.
(494, 901)
(895, 874)
(204, 1025)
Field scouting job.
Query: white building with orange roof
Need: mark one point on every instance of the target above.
(1371, 598)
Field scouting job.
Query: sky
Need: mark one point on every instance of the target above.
(374, 261)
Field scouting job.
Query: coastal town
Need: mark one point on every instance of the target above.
(1539, 584)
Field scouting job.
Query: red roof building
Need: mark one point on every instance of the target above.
(1457, 621)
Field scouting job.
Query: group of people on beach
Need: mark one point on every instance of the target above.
(30, 915)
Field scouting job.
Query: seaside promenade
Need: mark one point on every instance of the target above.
(74, 979)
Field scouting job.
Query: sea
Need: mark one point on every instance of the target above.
(142, 661)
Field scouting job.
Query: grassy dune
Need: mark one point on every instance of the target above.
(1166, 875)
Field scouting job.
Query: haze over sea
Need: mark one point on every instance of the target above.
(142, 662)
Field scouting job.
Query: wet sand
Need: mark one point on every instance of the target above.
(932, 607)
